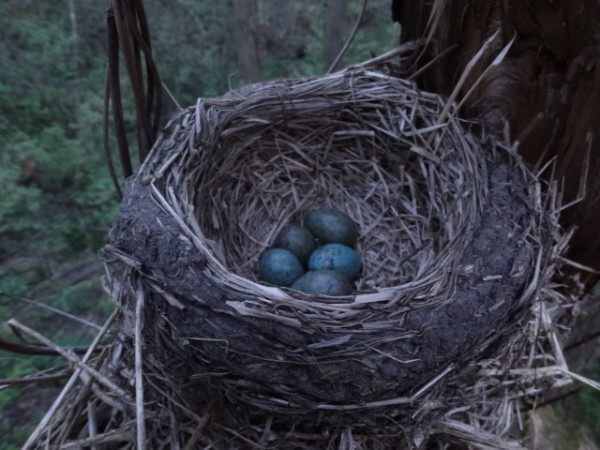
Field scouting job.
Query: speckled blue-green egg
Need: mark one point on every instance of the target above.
(331, 225)
(279, 267)
(298, 240)
(323, 282)
(336, 257)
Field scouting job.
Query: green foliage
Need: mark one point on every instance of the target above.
(50, 118)
(12, 435)
(51, 103)
(65, 205)
(587, 402)
(13, 367)
(51, 100)
(188, 47)
(82, 299)
(14, 284)
(57, 200)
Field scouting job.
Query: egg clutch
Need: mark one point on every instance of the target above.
(318, 258)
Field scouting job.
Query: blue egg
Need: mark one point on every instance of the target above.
(323, 282)
(332, 226)
(298, 240)
(336, 257)
(279, 267)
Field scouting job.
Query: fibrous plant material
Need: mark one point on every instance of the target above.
(448, 326)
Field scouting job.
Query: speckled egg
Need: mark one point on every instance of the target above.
(331, 225)
(336, 257)
(298, 240)
(279, 267)
(323, 282)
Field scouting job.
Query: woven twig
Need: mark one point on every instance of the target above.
(450, 324)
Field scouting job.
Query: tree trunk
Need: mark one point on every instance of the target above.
(335, 30)
(248, 43)
(74, 39)
(547, 89)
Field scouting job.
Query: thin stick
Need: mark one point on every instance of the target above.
(28, 349)
(139, 387)
(463, 78)
(105, 438)
(70, 356)
(497, 60)
(172, 97)
(31, 380)
(105, 139)
(92, 425)
(344, 49)
(63, 395)
(387, 56)
(426, 66)
(54, 310)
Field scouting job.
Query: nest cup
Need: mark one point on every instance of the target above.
(450, 227)
(289, 150)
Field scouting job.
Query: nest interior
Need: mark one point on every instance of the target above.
(269, 163)
(451, 229)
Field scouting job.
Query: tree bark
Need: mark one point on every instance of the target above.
(547, 89)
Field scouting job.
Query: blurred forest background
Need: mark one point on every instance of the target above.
(57, 200)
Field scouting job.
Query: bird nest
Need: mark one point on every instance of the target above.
(447, 327)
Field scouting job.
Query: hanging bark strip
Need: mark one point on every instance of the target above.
(128, 34)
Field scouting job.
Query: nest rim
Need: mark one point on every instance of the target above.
(221, 272)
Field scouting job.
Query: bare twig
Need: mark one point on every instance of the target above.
(29, 349)
(139, 386)
(344, 49)
(41, 427)
(40, 305)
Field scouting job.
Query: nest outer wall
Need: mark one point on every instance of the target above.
(452, 233)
